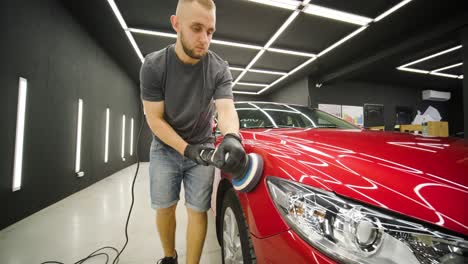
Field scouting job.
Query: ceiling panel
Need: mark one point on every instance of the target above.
(309, 33)
(246, 88)
(235, 74)
(248, 22)
(455, 71)
(150, 43)
(279, 62)
(148, 14)
(155, 15)
(234, 55)
(367, 8)
(261, 78)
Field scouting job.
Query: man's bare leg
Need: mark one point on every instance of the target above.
(166, 225)
(196, 233)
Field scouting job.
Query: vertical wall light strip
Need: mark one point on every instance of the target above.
(106, 147)
(131, 138)
(123, 137)
(18, 163)
(78, 137)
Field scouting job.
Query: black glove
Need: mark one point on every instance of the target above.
(231, 145)
(193, 152)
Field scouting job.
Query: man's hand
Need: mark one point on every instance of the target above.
(231, 145)
(193, 152)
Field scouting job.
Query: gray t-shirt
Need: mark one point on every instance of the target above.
(187, 90)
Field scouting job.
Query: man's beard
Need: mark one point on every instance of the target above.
(190, 52)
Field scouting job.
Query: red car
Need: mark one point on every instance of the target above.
(334, 193)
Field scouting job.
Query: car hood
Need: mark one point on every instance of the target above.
(422, 177)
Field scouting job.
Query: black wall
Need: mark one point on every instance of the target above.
(247, 97)
(359, 93)
(43, 43)
(294, 93)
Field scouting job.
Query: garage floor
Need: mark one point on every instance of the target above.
(95, 217)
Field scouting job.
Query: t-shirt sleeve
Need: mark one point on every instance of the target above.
(223, 88)
(150, 81)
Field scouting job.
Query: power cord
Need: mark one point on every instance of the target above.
(95, 254)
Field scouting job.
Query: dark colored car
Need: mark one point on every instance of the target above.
(332, 192)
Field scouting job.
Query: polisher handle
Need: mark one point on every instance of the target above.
(207, 156)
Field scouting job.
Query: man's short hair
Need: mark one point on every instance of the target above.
(208, 4)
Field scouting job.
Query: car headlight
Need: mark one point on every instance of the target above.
(355, 233)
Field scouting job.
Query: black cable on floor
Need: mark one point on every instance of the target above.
(95, 254)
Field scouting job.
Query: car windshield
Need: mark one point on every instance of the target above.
(270, 115)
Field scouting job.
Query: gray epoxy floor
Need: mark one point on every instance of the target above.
(74, 227)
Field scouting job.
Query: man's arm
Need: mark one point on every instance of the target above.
(228, 121)
(155, 118)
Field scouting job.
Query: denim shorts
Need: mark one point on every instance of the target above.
(168, 168)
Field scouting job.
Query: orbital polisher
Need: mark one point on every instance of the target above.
(246, 176)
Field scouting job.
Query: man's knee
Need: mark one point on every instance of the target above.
(167, 211)
(195, 213)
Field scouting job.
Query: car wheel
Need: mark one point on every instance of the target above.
(236, 244)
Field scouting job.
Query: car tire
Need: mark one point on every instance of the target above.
(236, 244)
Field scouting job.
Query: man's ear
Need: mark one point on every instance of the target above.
(175, 23)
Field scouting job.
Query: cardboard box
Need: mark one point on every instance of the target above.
(411, 128)
(436, 128)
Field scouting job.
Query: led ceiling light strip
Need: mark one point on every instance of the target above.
(391, 10)
(348, 37)
(358, 19)
(222, 42)
(314, 58)
(268, 72)
(215, 41)
(286, 4)
(432, 56)
(444, 75)
(258, 71)
(259, 54)
(412, 70)
(460, 77)
(273, 83)
(242, 92)
(301, 66)
(152, 32)
(297, 53)
(448, 67)
(282, 28)
(436, 72)
(337, 15)
(272, 39)
(119, 17)
(252, 84)
(234, 44)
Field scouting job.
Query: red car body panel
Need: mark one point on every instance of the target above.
(424, 178)
(287, 247)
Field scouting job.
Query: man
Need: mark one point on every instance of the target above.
(179, 87)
